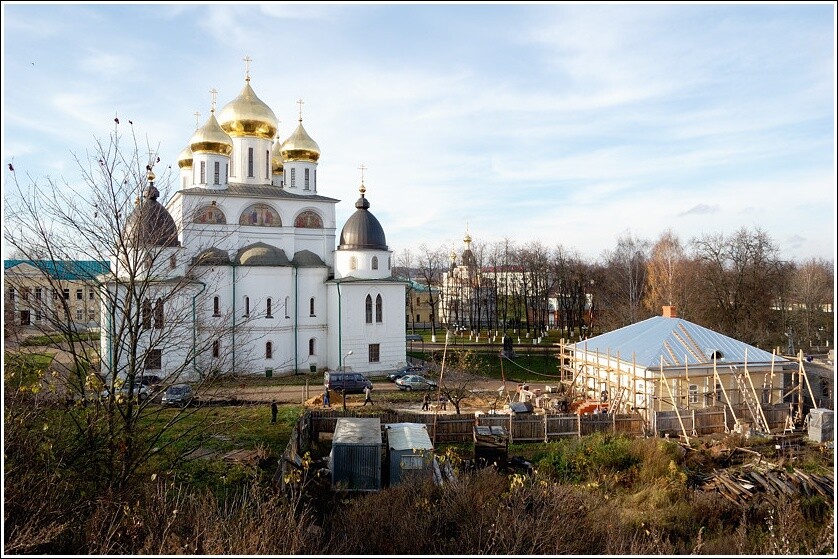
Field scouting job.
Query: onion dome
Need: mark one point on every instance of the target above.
(261, 254)
(184, 160)
(210, 138)
(150, 223)
(362, 230)
(247, 115)
(277, 161)
(300, 147)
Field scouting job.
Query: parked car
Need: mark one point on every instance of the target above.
(404, 371)
(350, 383)
(150, 381)
(179, 394)
(415, 382)
(140, 393)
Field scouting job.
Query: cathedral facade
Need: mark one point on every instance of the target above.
(247, 276)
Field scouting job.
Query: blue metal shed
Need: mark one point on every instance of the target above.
(409, 451)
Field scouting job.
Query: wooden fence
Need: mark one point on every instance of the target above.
(718, 419)
(298, 443)
(454, 428)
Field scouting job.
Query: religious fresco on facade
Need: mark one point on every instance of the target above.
(309, 220)
(210, 214)
(260, 215)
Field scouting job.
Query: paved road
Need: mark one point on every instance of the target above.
(291, 394)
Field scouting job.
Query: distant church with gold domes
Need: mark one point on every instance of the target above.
(273, 292)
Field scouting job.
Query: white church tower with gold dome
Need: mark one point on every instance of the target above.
(256, 233)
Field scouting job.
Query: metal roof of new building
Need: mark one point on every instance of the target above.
(678, 341)
(407, 436)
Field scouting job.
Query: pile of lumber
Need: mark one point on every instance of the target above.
(767, 482)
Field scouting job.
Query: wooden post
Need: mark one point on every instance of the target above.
(674, 405)
(808, 384)
(511, 415)
(579, 425)
(545, 427)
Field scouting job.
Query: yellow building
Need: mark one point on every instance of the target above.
(42, 296)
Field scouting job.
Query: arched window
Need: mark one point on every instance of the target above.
(286, 307)
(353, 263)
(305, 183)
(311, 307)
(269, 350)
(216, 172)
(311, 347)
(250, 162)
(268, 308)
(216, 306)
(379, 308)
(268, 164)
(388, 262)
(216, 348)
(369, 309)
(158, 314)
(147, 314)
(374, 262)
(247, 306)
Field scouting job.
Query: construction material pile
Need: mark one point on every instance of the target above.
(767, 482)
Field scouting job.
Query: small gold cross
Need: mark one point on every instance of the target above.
(247, 61)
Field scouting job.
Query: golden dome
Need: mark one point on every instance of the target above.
(184, 160)
(300, 147)
(277, 161)
(247, 115)
(210, 138)
(467, 238)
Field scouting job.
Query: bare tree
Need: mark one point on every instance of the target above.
(461, 369)
(626, 279)
(431, 263)
(812, 293)
(149, 296)
(741, 277)
(666, 273)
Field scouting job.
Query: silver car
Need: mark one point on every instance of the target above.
(415, 382)
(179, 394)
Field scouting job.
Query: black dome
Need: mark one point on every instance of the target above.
(362, 230)
(150, 223)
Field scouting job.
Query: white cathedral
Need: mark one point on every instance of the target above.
(249, 241)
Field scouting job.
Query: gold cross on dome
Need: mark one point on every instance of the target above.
(247, 61)
(362, 168)
(214, 94)
(300, 102)
(197, 119)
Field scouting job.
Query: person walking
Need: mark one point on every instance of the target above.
(367, 395)
(326, 402)
(274, 410)
(426, 402)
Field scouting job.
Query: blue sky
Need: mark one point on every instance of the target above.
(569, 124)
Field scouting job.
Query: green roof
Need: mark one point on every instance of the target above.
(64, 269)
